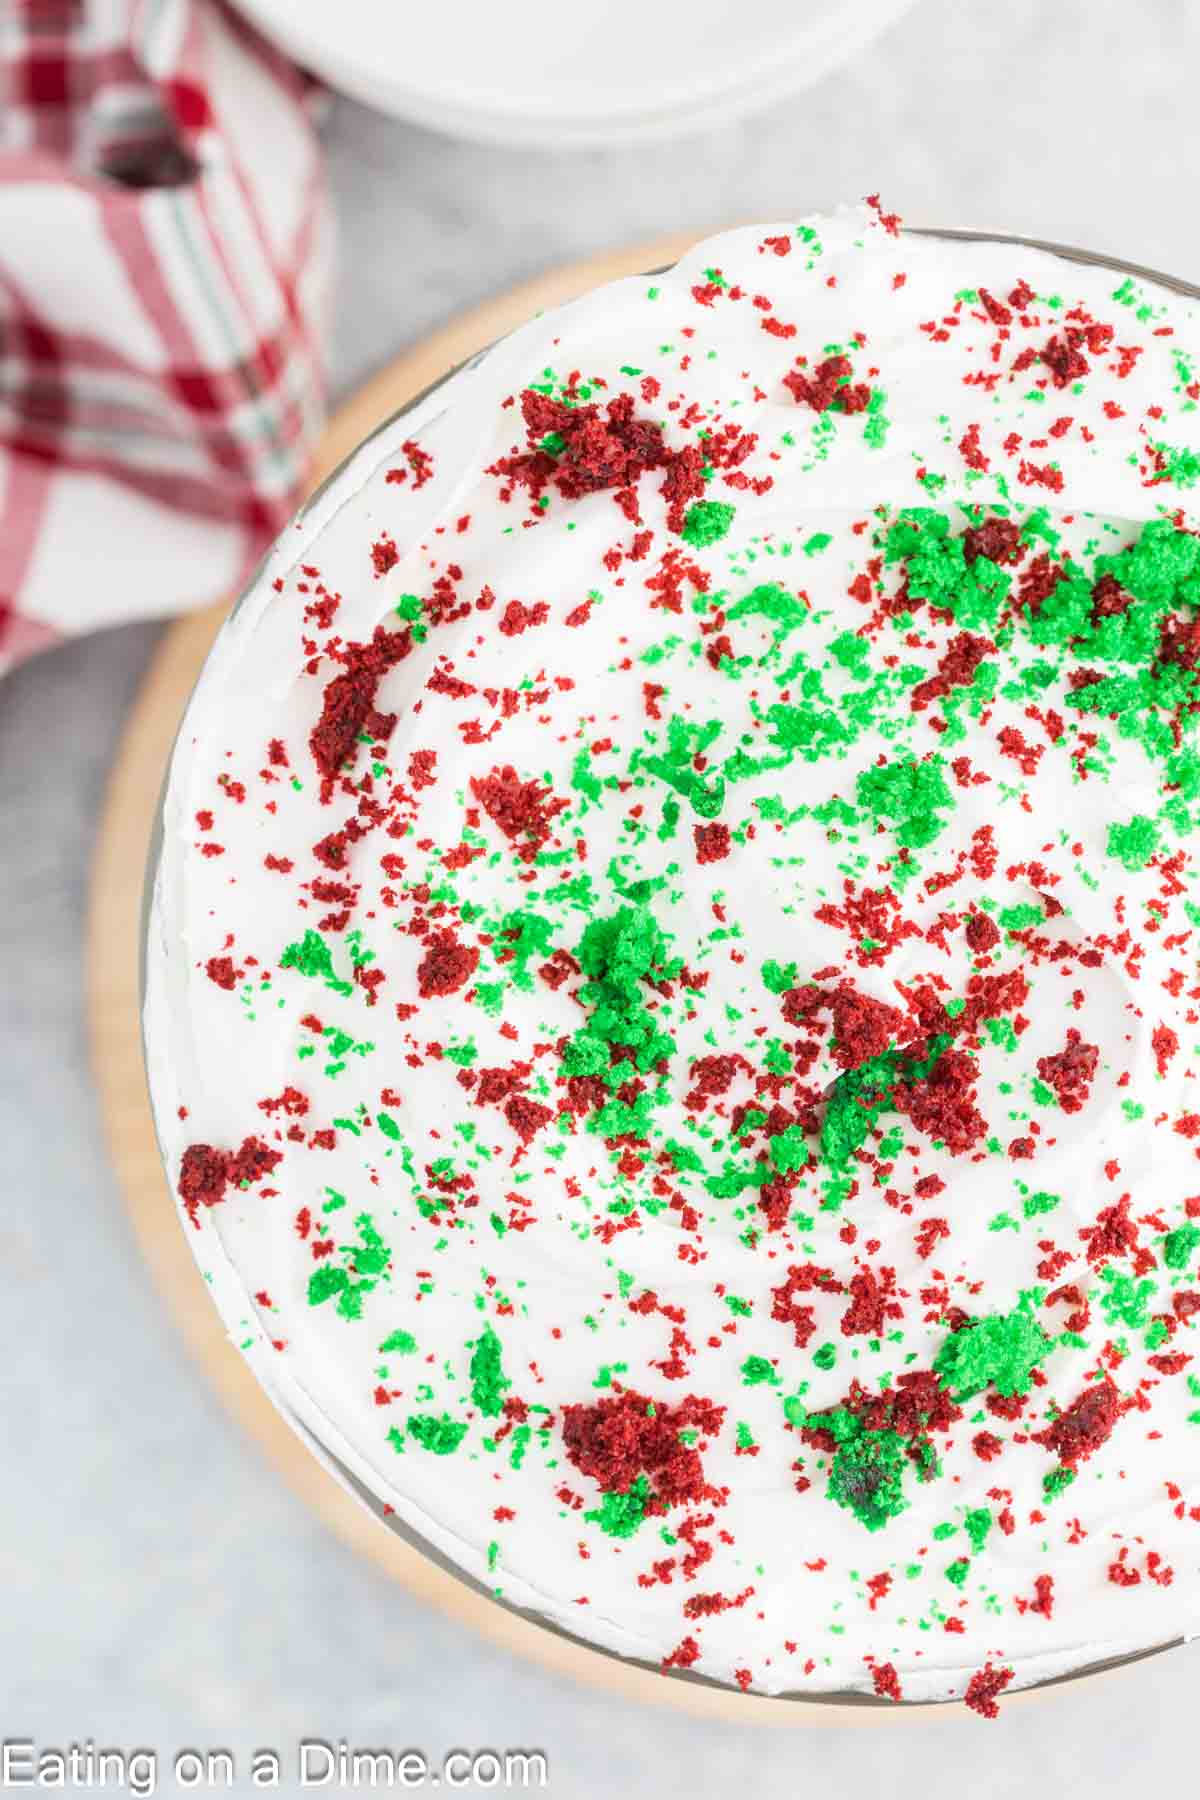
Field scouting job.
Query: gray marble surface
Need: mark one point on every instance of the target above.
(159, 1585)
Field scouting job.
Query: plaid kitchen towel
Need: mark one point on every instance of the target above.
(164, 274)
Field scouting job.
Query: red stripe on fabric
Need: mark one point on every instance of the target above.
(221, 391)
(126, 231)
(198, 390)
(73, 349)
(44, 80)
(190, 105)
(264, 368)
(26, 492)
(232, 505)
(40, 16)
(258, 377)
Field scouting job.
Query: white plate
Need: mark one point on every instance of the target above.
(573, 73)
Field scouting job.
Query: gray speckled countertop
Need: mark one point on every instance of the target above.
(159, 1585)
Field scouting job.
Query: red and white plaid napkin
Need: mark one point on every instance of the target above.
(164, 276)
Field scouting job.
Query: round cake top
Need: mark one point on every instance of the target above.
(672, 984)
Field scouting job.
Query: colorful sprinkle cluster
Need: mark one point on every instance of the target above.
(674, 989)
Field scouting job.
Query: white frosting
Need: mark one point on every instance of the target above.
(555, 1292)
